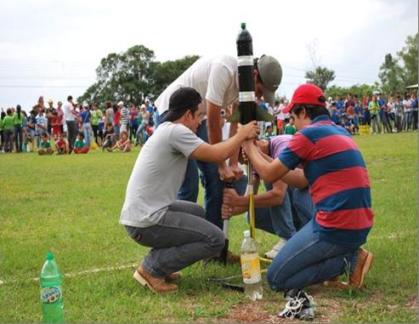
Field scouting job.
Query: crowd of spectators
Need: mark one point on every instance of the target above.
(76, 127)
(379, 114)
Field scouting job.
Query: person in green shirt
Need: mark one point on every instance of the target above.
(3, 114)
(45, 145)
(374, 110)
(95, 117)
(80, 146)
(8, 128)
(18, 124)
(289, 128)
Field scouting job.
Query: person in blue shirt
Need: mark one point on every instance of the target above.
(86, 126)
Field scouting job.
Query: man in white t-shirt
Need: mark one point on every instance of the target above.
(176, 230)
(216, 80)
(69, 116)
(124, 116)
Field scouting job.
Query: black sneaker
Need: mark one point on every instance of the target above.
(299, 305)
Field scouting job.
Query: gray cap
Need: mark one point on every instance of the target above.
(270, 72)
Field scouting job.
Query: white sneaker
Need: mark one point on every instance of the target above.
(275, 249)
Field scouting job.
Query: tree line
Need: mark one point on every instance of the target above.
(132, 75)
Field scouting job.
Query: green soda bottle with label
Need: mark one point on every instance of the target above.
(51, 292)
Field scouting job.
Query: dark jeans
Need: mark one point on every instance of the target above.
(72, 133)
(181, 238)
(306, 260)
(8, 140)
(95, 133)
(18, 138)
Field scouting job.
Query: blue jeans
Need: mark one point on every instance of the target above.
(306, 260)
(87, 129)
(302, 206)
(211, 182)
(286, 219)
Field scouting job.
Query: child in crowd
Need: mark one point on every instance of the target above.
(45, 145)
(61, 145)
(80, 146)
(123, 144)
(289, 128)
(269, 132)
(55, 125)
(108, 137)
(348, 125)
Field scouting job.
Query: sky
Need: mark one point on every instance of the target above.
(52, 48)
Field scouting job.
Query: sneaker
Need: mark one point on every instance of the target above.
(299, 305)
(275, 249)
(363, 265)
(155, 284)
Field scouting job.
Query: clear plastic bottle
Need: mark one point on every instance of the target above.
(51, 292)
(250, 265)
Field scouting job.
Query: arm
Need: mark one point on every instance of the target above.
(233, 204)
(234, 159)
(268, 171)
(219, 152)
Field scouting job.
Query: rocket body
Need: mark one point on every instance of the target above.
(247, 105)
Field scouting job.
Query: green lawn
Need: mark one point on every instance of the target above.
(71, 204)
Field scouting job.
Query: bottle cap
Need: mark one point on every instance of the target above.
(246, 233)
(50, 256)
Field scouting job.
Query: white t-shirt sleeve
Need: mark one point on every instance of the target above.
(183, 140)
(219, 80)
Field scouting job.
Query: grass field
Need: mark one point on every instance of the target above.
(71, 204)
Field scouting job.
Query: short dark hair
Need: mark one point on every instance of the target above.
(312, 111)
(69, 98)
(182, 100)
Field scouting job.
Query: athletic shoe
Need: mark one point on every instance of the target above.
(299, 305)
(275, 249)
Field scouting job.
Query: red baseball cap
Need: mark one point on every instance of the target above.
(308, 94)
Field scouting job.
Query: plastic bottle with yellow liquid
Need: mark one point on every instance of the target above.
(250, 265)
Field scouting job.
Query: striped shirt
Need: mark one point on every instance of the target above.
(338, 181)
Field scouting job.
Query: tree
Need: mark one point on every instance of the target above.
(360, 90)
(409, 56)
(391, 76)
(131, 75)
(320, 76)
(165, 73)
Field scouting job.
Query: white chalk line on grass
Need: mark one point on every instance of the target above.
(79, 273)
(394, 236)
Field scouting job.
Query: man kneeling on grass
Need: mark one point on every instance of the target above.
(329, 244)
(176, 231)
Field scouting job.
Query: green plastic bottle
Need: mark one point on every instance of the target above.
(51, 292)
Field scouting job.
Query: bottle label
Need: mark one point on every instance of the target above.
(50, 295)
(250, 268)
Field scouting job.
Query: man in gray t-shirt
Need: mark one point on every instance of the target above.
(176, 230)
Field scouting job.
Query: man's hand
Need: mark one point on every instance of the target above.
(247, 146)
(233, 204)
(237, 171)
(230, 197)
(248, 131)
(226, 173)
